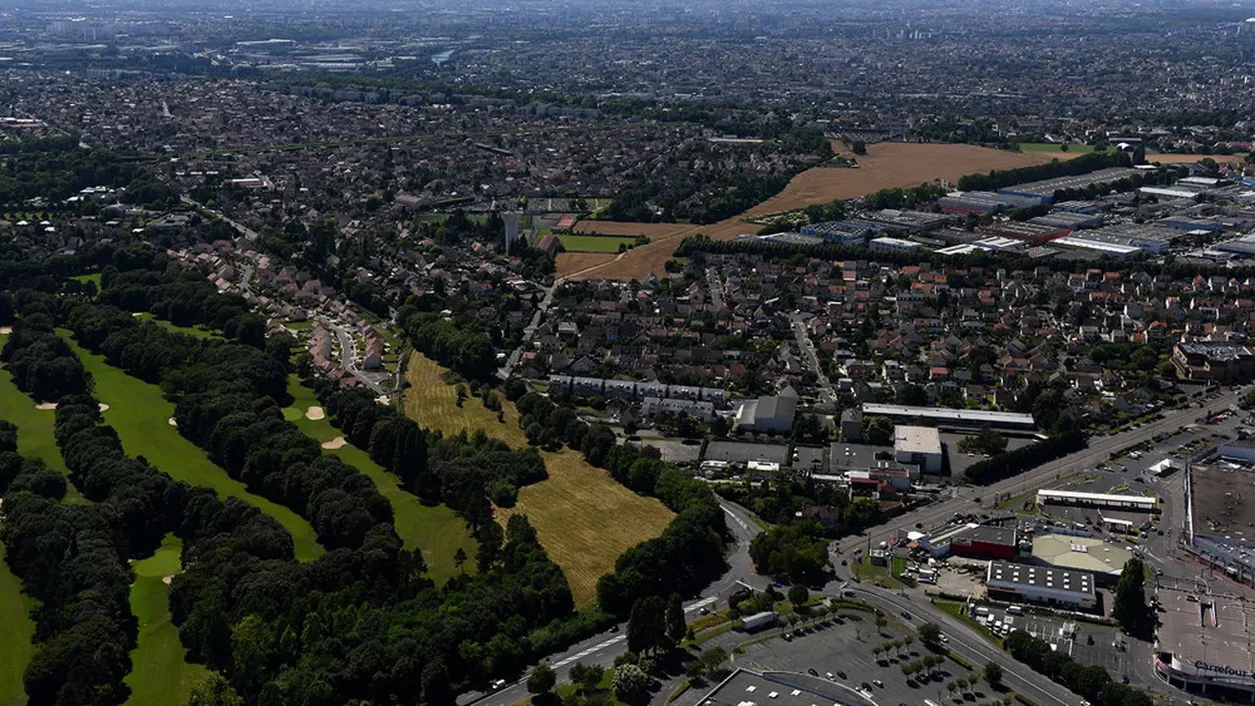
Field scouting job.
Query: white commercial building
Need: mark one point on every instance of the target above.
(918, 445)
(1039, 584)
(887, 244)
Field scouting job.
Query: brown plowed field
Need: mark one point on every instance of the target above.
(885, 165)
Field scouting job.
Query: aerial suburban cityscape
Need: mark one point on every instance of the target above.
(627, 353)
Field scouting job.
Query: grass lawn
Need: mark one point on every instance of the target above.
(584, 518)
(159, 675)
(879, 575)
(34, 428)
(436, 531)
(1052, 147)
(957, 610)
(594, 243)
(15, 636)
(93, 277)
(196, 331)
(140, 414)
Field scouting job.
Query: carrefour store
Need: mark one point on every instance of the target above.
(1203, 645)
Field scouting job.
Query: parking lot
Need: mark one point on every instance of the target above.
(849, 648)
(1087, 643)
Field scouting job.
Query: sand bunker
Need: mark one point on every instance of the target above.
(46, 405)
(172, 422)
(313, 414)
(167, 580)
(334, 443)
(102, 407)
(6, 330)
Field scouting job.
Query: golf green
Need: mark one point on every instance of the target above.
(159, 674)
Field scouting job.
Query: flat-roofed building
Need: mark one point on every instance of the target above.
(920, 446)
(1204, 644)
(1219, 361)
(1024, 583)
(985, 542)
(954, 417)
(1142, 503)
(894, 245)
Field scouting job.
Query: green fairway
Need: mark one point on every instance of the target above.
(16, 630)
(594, 243)
(436, 531)
(159, 675)
(1053, 147)
(34, 427)
(141, 415)
(197, 331)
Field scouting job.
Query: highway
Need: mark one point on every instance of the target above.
(1100, 449)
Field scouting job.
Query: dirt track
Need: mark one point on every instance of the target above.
(886, 165)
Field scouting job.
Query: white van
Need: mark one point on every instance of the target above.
(1015, 610)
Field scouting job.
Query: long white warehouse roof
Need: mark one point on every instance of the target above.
(1141, 500)
(965, 415)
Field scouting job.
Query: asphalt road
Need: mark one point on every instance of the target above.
(1100, 449)
(515, 355)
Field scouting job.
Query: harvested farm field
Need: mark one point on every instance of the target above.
(885, 165)
(1192, 158)
(572, 262)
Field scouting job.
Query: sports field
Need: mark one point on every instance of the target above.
(887, 164)
(584, 519)
(436, 531)
(594, 243)
(140, 414)
(34, 428)
(16, 630)
(159, 675)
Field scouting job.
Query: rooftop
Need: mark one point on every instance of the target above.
(988, 534)
(1220, 501)
(1007, 573)
(917, 440)
(964, 415)
(1079, 553)
(1211, 629)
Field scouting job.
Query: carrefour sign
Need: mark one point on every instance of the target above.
(1214, 671)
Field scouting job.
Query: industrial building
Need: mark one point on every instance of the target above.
(1140, 503)
(1219, 519)
(920, 446)
(1218, 361)
(768, 414)
(1151, 239)
(887, 244)
(840, 232)
(910, 220)
(1068, 220)
(985, 542)
(1098, 247)
(1045, 189)
(1031, 233)
(983, 202)
(1021, 583)
(1080, 553)
(968, 418)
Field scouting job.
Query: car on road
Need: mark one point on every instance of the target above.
(879, 684)
(829, 675)
(841, 674)
(812, 672)
(906, 615)
(945, 639)
(497, 684)
(865, 686)
(614, 628)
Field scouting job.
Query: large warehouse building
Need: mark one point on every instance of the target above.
(972, 418)
(1092, 555)
(1204, 646)
(1021, 583)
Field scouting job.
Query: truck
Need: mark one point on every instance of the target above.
(758, 621)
